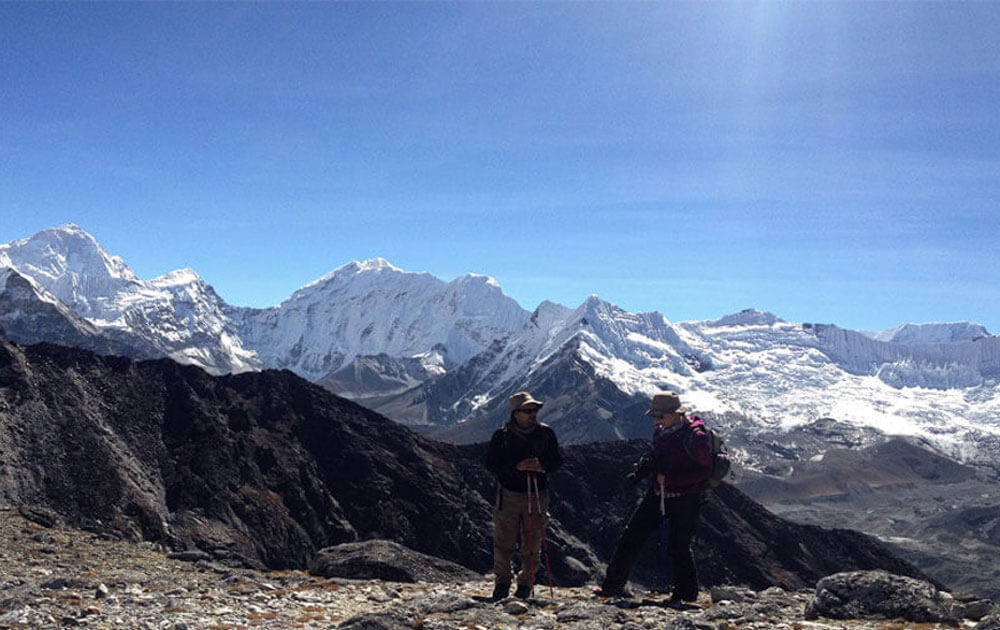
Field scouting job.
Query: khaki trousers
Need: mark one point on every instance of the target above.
(510, 518)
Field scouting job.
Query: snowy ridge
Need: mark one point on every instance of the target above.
(934, 333)
(177, 314)
(783, 375)
(966, 362)
(622, 346)
(369, 324)
(641, 353)
(778, 374)
(371, 307)
(746, 317)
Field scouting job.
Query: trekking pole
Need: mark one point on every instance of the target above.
(527, 535)
(664, 535)
(545, 542)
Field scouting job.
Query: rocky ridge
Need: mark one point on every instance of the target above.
(60, 577)
(265, 469)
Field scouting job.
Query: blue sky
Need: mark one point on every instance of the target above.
(825, 161)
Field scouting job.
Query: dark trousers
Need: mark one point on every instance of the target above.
(683, 513)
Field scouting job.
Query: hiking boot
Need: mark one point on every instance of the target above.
(612, 591)
(500, 591)
(523, 591)
(678, 596)
(687, 600)
(680, 604)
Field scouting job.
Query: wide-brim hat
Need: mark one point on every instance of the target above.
(523, 399)
(667, 402)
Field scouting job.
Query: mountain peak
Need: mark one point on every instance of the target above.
(69, 228)
(747, 317)
(476, 279)
(358, 271)
(594, 304)
(377, 264)
(64, 257)
(177, 277)
(69, 234)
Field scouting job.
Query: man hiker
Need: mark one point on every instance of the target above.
(521, 454)
(681, 458)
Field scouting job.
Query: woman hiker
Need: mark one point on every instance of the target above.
(682, 460)
(521, 455)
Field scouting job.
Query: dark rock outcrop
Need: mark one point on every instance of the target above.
(880, 595)
(265, 469)
(28, 315)
(258, 468)
(577, 403)
(385, 560)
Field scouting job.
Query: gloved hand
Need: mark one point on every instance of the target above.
(641, 468)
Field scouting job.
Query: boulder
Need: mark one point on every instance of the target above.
(386, 560)
(880, 595)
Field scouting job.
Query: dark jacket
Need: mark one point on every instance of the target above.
(507, 447)
(684, 456)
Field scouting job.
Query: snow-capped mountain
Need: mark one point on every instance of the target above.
(27, 311)
(176, 315)
(71, 265)
(371, 307)
(445, 355)
(598, 365)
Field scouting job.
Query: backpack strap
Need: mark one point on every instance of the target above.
(688, 439)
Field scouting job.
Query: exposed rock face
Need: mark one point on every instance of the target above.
(577, 399)
(28, 314)
(264, 469)
(880, 595)
(386, 560)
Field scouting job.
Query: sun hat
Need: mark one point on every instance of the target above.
(667, 402)
(522, 399)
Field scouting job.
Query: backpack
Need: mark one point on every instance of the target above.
(721, 464)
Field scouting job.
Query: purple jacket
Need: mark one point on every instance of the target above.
(686, 472)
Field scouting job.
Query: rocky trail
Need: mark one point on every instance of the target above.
(56, 577)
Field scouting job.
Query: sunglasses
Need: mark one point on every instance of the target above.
(531, 410)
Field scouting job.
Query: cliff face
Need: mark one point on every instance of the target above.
(265, 469)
